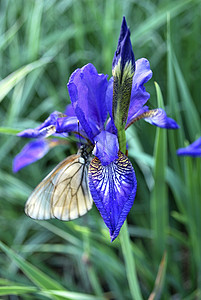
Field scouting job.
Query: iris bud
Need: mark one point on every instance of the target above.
(123, 68)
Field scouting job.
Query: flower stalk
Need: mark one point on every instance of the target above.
(123, 72)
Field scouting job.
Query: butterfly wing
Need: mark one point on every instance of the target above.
(64, 193)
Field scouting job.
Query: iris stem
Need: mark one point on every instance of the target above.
(130, 263)
(122, 139)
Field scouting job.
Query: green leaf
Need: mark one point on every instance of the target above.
(159, 205)
(16, 290)
(72, 296)
(191, 116)
(7, 130)
(11, 80)
(34, 274)
(159, 18)
(130, 263)
(158, 286)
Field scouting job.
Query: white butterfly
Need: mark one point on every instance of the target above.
(64, 193)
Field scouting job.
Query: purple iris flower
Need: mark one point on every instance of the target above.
(98, 109)
(193, 149)
(36, 149)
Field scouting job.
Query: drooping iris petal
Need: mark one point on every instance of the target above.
(38, 133)
(106, 147)
(87, 91)
(159, 118)
(139, 96)
(193, 149)
(113, 188)
(51, 120)
(138, 115)
(45, 129)
(30, 153)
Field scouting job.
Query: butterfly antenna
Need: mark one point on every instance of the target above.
(81, 135)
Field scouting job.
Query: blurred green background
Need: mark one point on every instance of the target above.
(41, 44)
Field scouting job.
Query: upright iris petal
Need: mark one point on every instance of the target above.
(139, 96)
(87, 91)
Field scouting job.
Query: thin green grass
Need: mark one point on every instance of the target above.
(159, 200)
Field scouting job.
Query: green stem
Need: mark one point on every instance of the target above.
(122, 139)
(130, 263)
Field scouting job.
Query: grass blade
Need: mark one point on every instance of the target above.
(159, 279)
(16, 290)
(159, 206)
(130, 263)
(11, 80)
(34, 274)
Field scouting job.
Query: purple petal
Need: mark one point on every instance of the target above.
(138, 115)
(159, 118)
(110, 126)
(30, 153)
(51, 120)
(113, 188)
(29, 133)
(36, 133)
(106, 147)
(67, 124)
(87, 91)
(139, 96)
(69, 111)
(124, 48)
(193, 149)
(109, 96)
(45, 129)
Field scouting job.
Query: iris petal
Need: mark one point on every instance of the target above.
(106, 147)
(139, 96)
(159, 118)
(45, 129)
(67, 124)
(30, 153)
(36, 133)
(113, 188)
(124, 50)
(69, 111)
(87, 91)
(51, 120)
(193, 149)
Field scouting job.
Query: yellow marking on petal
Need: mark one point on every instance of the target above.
(148, 114)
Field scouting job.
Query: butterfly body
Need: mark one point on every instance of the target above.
(64, 193)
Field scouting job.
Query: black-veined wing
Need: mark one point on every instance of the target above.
(64, 193)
